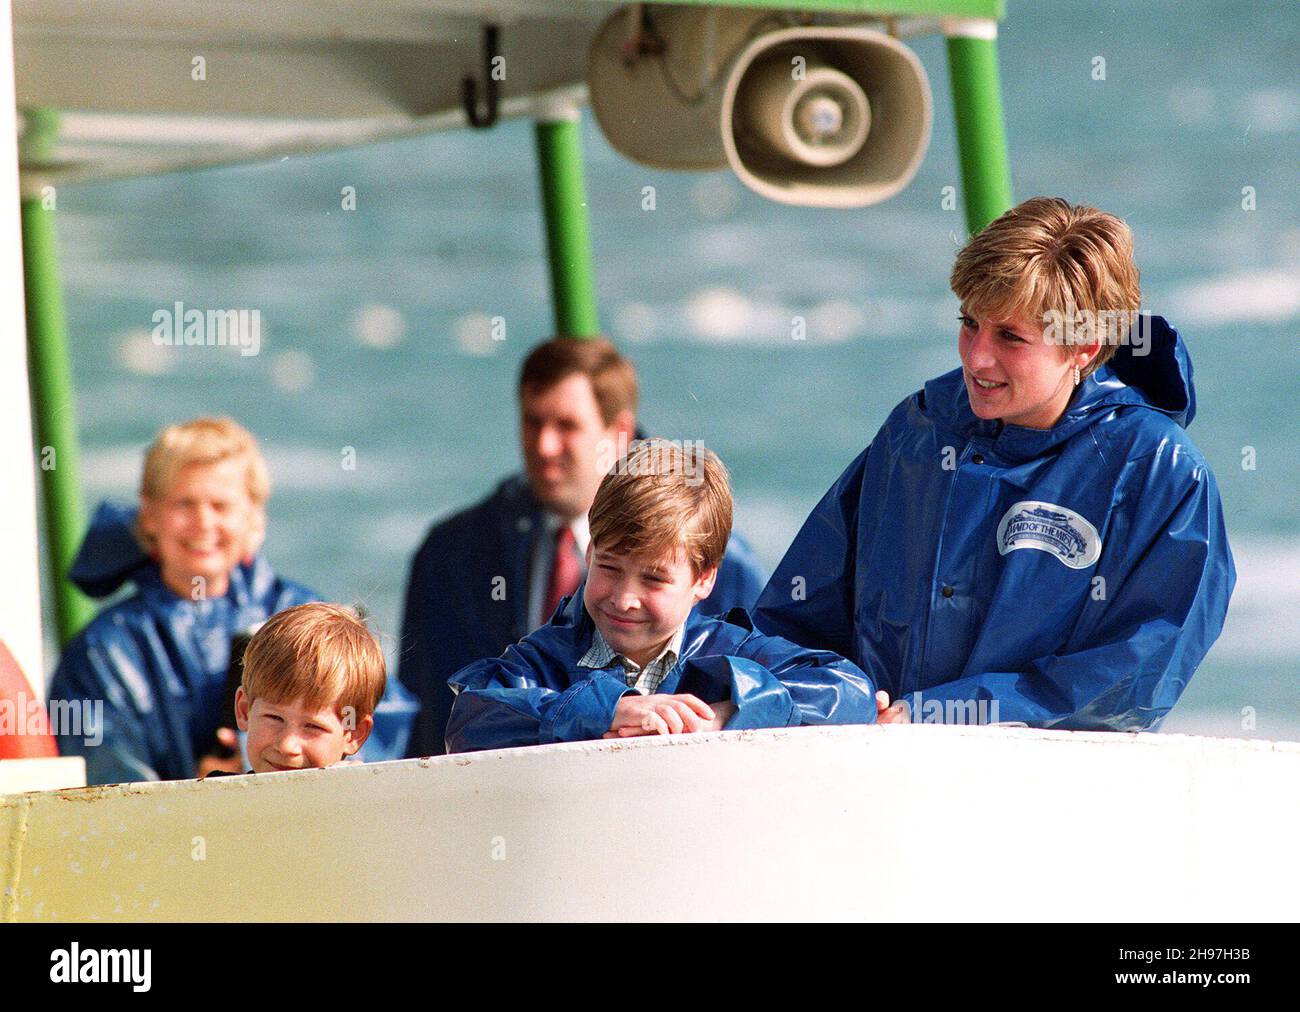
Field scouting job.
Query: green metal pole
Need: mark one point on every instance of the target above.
(51, 388)
(981, 136)
(568, 239)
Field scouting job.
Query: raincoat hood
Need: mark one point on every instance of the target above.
(1154, 372)
(109, 556)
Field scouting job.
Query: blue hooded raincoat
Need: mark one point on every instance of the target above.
(1072, 577)
(453, 617)
(535, 693)
(158, 661)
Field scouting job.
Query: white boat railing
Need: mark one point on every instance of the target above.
(852, 823)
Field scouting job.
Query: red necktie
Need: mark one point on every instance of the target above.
(566, 572)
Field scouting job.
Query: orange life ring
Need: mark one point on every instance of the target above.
(24, 723)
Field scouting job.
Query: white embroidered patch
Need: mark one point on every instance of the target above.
(1049, 528)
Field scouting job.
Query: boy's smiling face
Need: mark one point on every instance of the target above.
(292, 736)
(639, 603)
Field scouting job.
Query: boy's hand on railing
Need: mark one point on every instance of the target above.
(660, 714)
(886, 714)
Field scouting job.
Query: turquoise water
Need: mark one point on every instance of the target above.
(376, 337)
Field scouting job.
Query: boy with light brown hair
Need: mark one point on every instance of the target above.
(313, 676)
(628, 654)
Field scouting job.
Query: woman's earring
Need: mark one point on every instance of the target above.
(1076, 375)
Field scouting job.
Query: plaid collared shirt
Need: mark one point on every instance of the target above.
(645, 680)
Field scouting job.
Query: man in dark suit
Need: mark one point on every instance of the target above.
(487, 576)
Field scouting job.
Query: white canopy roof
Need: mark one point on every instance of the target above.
(149, 85)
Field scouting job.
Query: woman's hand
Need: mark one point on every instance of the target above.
(886, 714)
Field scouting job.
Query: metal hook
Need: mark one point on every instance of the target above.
(469, 86)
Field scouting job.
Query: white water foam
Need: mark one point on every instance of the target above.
(1259, 297)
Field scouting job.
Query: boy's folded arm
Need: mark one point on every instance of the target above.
(585, 710)
(496, 717)
(500, 703)
(776, 683)
(760, 698)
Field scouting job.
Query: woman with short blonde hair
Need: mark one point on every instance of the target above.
(1032, 537)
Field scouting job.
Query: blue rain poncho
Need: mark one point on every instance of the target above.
(536, 693)
(1072, 577)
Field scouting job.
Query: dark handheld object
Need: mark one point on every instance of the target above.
(234, 676)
